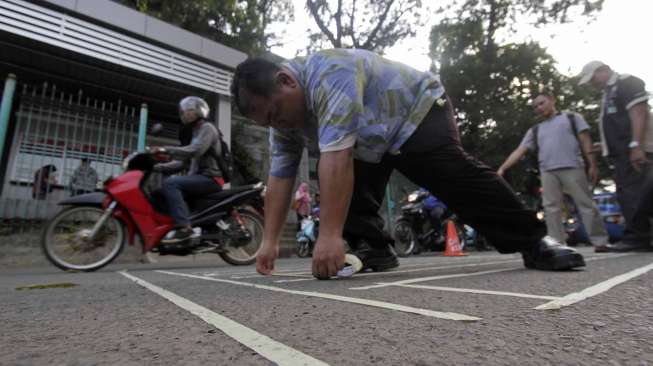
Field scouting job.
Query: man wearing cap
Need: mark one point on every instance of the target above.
(627, 139)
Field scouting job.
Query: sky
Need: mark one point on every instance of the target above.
(621, 36)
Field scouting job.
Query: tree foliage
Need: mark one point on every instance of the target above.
(240, 24)
(372, 25)
(492, 84)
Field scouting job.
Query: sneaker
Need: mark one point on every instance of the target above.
(178, 236)
(376, 259)
(550, 255)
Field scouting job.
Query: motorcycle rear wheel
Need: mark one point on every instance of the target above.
(64, 245)
(246, 254)
(404, 238)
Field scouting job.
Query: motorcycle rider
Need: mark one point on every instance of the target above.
(435, 209)
(199, 157)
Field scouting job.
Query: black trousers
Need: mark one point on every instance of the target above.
(635, 196)
(433, 158)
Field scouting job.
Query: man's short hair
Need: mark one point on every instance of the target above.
(254, 76)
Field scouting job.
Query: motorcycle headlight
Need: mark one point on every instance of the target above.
(540, 215)
(412, 197)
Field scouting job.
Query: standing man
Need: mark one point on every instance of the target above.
(627, 139)
(84, 179)
(369, 116)
(558, 142)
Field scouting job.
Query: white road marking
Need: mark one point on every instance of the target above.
(607, 256)
(427, 266)
(295, 280)
(432, 278)
(279, 274)
(354, 300)
(306, 276)
(276, 352)
(466, 274)
(484, 292)
(288, 272)
(594, 290)
(367, 274)
(309, 277)
(300, 272)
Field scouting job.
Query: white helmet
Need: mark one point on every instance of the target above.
(193, 108)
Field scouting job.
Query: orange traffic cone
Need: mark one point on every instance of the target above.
(453, 243)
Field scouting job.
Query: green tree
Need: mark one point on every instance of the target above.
(491, 83)
(240, 24)
(372, 25)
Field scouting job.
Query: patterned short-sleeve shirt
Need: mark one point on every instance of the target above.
(354, 98)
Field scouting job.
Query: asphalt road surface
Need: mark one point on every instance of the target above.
(482, 309)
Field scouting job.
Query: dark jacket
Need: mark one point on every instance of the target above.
(622, 92)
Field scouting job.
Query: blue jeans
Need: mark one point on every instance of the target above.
(176, 188)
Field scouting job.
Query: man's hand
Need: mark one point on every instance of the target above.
(500, 172)
(328, 257)
(266, 257)
(638, 158)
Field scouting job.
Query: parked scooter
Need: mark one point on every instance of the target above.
(92, 229)
(307, 236)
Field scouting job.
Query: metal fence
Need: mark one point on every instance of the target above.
(54, 131)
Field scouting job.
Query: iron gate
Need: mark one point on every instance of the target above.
(54, 132)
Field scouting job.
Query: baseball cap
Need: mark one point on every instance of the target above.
(588, 71)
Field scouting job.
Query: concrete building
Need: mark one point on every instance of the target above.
(83, 79)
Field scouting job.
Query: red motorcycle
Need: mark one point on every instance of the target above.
(92, 229)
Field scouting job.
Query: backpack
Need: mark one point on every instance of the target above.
(572, 121)
(224, 159)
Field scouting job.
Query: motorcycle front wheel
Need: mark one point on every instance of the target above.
(66, 244)
(404, 238)
(244, 254)
(304, 250)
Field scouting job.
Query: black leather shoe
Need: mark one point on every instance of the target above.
(550, 255)
(376, 259)
(624, 247)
